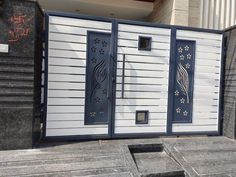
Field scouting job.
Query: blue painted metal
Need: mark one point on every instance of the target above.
(97, 78)
(183, 81)
(171, 81)
(111, 122)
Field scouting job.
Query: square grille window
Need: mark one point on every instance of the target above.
(141, 117)
(144, 43)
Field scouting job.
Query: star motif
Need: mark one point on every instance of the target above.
(101, 51)
(189, 56)
(93, 49)
(104, 44)
(178, 110)
(176, 93)
(97, 99)
(185, 113)
(94, 60)
(96, 41)
(181, 57)
(186, 48)
(92, 114)
(180, 49)
(182, 100)
(187, 65)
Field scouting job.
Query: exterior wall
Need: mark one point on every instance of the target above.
(206, 82)
(146, 79)
(229, 126)
(212, 14)
(20, 79)
(174, 12)
(217, 14)
(66, 76)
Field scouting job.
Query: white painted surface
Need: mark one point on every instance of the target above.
(4, 48)
(146, 79)
(206, 83)
(66, 76)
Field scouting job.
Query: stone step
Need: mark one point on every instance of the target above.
(157, 164)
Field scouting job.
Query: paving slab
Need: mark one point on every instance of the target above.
(197, 156)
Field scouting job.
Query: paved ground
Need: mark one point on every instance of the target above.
(198, 156)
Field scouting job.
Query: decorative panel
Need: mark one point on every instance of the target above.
(97, 78)
(184, 80)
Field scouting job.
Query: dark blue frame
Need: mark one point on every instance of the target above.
(149, 47)
(111, 125)
(146, 117)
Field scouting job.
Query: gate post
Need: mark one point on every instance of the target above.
(20, 73)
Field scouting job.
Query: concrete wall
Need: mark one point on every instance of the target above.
(20, 81)
(229, 126)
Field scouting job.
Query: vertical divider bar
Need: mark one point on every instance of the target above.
(171, 81)
(123, 78)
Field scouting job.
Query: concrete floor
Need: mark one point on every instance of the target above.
(198, 156)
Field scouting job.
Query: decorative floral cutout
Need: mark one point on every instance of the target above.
(187, 65)
(101, 51)
(97, 41)
(104, 44)
(94, 60)
(92, 114)
(176, 93)
(189, 56)
(178, 110)
(181, 57)
(180, 49)
(185, 113)
(182, 100)
(186, 48)
(93, 49)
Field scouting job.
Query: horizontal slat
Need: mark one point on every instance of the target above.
(65, 109)
(210, 88)
(205, 101)
(71, 124)
(140, 129)
(142, 95)
(134, 44)
(133, 109)
(66, 62)
(141, 102)
(152, 116)
(66, 101)
(67, 37)
(204, 108)
(66, 70)
(212, 56)
(79, 22)
(192, 128)
(131, 123)
(72, 29)
(66, 93)
(65, 117)
(66, 53)
(143, 66)
(201, 35)
(143, 29)
(66, 78)
(66, 85)
(143, 59)
(207, 69)
(133, 36)
(76, 131)
(208, 49)
(204, 42)
(67, 46)
(199, 121)
(163, 88)
(205, 115)
(135, 51)
(206, 82)
(139, 80)
(143, 73)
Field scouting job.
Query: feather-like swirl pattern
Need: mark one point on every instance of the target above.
(183, 80)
